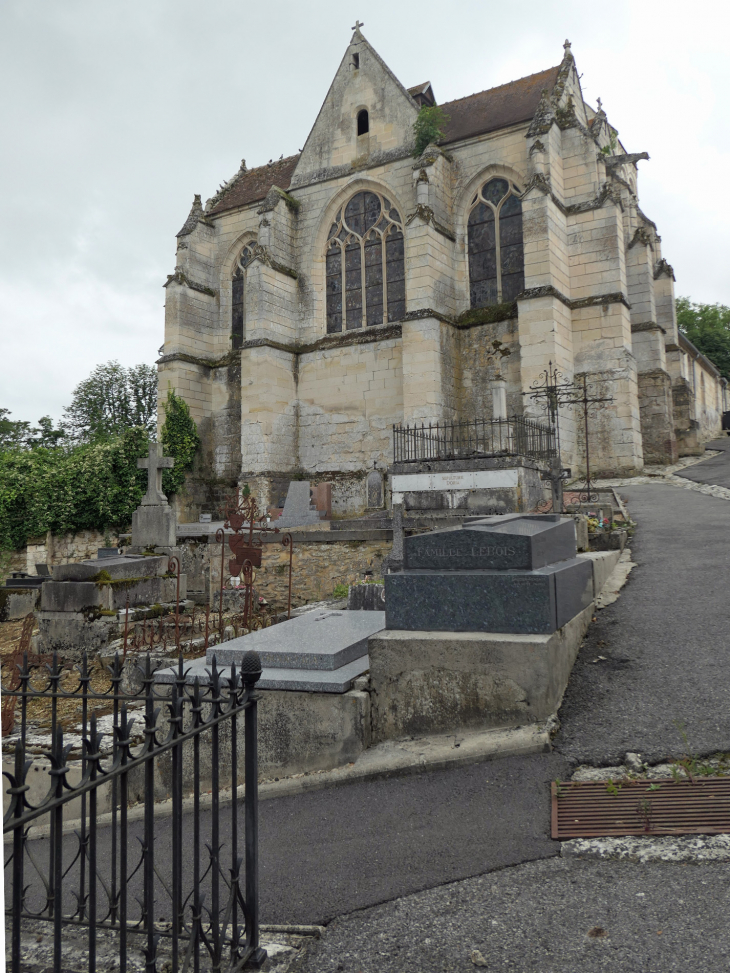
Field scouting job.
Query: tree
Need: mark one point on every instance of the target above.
(112, 399)
(180, 439)
(428, 126)
(16, 434)
(708, 328)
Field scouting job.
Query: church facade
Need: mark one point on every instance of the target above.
(322, 298)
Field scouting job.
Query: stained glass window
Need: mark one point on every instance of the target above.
(365, 262)
(496, 255)
(237, 295)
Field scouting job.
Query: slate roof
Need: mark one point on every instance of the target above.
(253, 185)
(488, 111)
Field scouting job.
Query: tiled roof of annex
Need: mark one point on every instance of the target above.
(477, 114)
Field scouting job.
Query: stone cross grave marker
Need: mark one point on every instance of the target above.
(155, 463)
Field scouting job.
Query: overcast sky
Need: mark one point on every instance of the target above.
(115, 112)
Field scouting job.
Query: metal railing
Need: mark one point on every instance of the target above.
(473, 439)
(174, 890)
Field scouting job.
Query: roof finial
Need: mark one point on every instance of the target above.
(600, 104)
(566, 45)
(358, 25)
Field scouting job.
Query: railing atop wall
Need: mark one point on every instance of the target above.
(181, 892)
(473, 439)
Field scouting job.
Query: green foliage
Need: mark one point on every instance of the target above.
(428, 127)
(21, 435)
(180, 439)
(112, 399)
(93, 487)
(708, 328)
(340, 591)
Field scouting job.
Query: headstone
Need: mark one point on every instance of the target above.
(375, 489)
(366, 597)
(298, 508)
(395, 558)
(153, 522)
(513, 574)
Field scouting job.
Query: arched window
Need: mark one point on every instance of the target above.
(496, 256)
(243, 261)
(365, 262)
(363, 122)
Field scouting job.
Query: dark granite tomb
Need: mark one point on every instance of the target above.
(516, 574)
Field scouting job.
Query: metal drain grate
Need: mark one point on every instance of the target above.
(597, 809)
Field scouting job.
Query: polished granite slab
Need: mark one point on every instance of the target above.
(520, 602)
(511, 542)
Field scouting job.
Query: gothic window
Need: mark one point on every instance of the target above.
(237, 295)
(496, 256)
(365, 264)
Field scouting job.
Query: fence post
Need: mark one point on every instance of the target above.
(251, 673)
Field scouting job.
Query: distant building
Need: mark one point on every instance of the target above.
(323, 297)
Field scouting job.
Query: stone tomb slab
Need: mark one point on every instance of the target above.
(498, 543)
(292, 680)
(537, 602)
(318, 640)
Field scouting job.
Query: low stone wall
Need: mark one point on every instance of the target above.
(317, 568)
(56, 549)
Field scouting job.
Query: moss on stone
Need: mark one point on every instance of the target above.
(487, 315)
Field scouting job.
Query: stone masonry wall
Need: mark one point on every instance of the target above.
(317, 569)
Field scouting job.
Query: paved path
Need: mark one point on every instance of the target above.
(665, 642)
(715, 470)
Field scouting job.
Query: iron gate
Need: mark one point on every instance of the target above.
(177, 886)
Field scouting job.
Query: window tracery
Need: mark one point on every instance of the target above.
(237, 291)
(365, 264)
(496, 254)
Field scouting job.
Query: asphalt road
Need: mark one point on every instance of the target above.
(665, 642)
(714, 471)
(555, 916)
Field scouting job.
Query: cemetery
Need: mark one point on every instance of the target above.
(400, 388)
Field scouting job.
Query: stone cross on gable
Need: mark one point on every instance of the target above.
(155, 463)
(358, 25)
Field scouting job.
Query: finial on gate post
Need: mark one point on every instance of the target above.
(250, 669)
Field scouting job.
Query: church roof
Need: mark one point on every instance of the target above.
(485, 111)
(253, 185)
(488, 111)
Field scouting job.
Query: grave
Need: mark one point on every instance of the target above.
(312, 715)
(20, 595)
(512, 574)
(83, 605)
(299, 511)
(320, 651)
(483, 624)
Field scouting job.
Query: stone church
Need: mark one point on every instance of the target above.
(326, 296)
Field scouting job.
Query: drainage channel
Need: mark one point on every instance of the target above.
(603, 809)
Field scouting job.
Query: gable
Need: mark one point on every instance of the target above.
(363, 82)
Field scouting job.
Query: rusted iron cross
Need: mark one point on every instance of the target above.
(155, 463)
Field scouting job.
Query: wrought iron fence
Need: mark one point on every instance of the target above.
(473, 439)
(181, 891)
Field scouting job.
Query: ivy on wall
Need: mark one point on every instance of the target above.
(180, 439)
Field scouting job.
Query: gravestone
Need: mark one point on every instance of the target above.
(375, 489)
(514, 574)
(298, 508)
(322, 651)
(153, 522)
